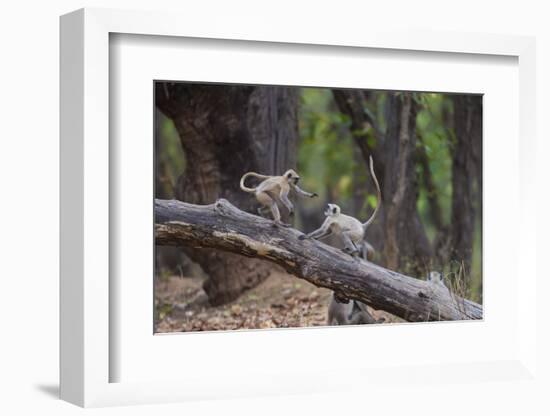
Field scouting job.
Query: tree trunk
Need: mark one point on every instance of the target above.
(398, 231)
(360, 178)
(222, 225)
(466, 178)
(351, 103)
(406, 246)
(226, 131)
(167, 259)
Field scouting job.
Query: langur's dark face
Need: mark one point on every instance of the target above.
(435, 277)
(292, 178)
(332, 210)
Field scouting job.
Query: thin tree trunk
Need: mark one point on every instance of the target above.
(466, 177)
(406, 247)
(360, 184)
(351, 103)
(168, 259)
(440, 242)
(226, 131)
(436, 214)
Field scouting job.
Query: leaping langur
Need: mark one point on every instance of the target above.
(275, 189)
(349, 229)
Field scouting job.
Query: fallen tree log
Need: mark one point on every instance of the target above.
(223, 226)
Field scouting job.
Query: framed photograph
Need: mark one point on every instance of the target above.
(428, 151)
(237, 209)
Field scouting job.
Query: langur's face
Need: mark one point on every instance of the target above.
(332, 210)
(435, 277)
(292, 177)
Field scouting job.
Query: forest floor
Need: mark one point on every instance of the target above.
(281, 301)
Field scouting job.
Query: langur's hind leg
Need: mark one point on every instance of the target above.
(277, 215)
(268, 203)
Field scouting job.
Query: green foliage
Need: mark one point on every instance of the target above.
(434, 134)
(171, 157)
(372, 201)
(476, 272)
(325, 156)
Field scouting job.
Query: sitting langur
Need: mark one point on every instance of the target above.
(349, 229)
(274, 189)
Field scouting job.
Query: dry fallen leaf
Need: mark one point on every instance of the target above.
(236, 309)
(279, 302)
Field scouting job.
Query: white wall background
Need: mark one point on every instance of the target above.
(29, 101)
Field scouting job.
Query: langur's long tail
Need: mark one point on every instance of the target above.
(246, 188)
(379, 195)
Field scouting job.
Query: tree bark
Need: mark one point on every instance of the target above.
(223, 226)
(440, 242)
(406, 245)
(166, 258)
(226, 131)
(466, 177)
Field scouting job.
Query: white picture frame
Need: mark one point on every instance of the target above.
(86, 354)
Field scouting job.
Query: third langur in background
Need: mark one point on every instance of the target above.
(349, 229)
(436, 278)
(275, 189)
(353, 312)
